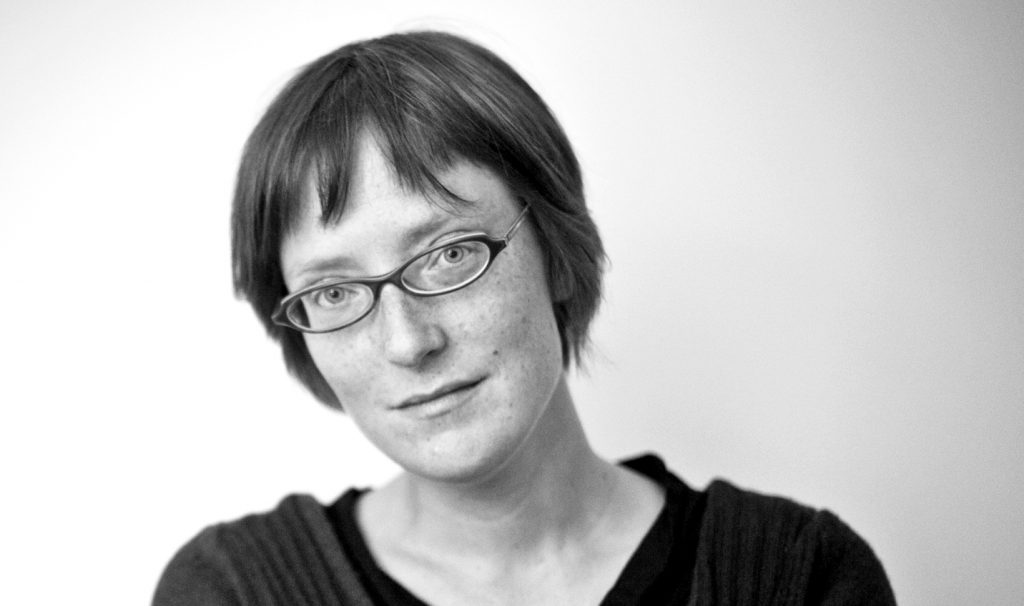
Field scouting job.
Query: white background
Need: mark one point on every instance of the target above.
(814, 211)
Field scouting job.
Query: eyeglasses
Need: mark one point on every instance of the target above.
(439, 270)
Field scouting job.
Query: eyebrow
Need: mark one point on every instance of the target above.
(412, 240)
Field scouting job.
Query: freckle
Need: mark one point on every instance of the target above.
(494, 353)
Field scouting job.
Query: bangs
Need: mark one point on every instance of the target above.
(421, 128)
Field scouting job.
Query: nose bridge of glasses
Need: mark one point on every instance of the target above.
(395, 278)
(398, 307)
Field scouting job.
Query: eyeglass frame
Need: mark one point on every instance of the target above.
(394, 277)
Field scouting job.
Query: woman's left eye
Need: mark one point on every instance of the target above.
(453, 254)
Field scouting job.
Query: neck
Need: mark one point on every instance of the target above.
(553, 490)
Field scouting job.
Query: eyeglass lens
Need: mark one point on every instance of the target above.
(442, 270)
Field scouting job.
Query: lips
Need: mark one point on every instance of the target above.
(442, 391)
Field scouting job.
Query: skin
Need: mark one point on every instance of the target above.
(502, 499)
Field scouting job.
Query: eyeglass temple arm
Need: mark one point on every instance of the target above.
(515, 226)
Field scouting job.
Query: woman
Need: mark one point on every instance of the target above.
(409, 224)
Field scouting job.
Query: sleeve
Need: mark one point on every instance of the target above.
(199, 574)
(845, 571)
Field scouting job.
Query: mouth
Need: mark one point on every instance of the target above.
(454, 388)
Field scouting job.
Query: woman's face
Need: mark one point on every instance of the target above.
(449, 387)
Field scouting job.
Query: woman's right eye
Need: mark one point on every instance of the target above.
(331, 297)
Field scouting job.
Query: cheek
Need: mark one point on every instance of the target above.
(345, 371)
(522, 321)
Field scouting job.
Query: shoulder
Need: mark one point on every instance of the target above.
(236, 562)
(784, 552)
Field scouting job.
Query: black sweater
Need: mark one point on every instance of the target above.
(727, 546)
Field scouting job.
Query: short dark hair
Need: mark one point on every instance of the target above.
(430, 99)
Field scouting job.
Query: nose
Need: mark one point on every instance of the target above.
(408, 333)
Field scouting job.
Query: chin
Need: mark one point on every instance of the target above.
(457, 459)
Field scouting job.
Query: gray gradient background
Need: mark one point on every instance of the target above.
(814, 211)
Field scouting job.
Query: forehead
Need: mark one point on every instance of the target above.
(383, 220)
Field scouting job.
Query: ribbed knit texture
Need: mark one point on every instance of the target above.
(753, 549)
(289, 556)
(757, 549)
